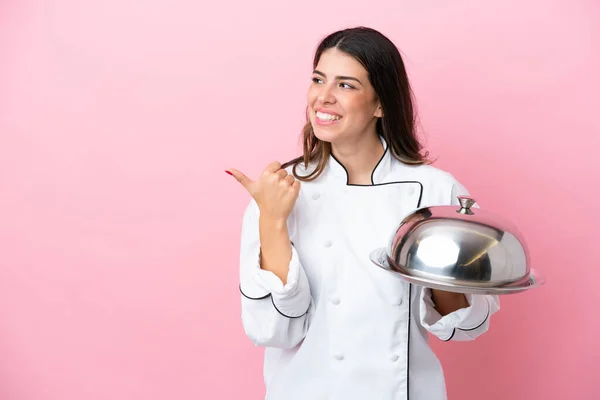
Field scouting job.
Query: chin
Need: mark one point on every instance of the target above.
(325, 135)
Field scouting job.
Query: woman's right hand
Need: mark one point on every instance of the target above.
(275, 192)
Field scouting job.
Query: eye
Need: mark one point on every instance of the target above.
(316, 80)
(346, 85)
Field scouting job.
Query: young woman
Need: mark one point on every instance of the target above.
(335, 326)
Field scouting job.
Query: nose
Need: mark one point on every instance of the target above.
(326, 95)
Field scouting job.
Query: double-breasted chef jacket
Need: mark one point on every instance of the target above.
(342, 328)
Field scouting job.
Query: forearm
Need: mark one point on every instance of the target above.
(448, 302)
(273, 314)
(276, 248)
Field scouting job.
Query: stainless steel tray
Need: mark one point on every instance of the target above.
(380, 258)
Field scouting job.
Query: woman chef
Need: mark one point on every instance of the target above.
(334, 326)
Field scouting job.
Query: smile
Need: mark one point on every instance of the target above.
(327, 117)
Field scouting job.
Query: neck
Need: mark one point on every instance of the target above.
(359, 157)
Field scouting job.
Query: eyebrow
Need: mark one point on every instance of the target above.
(339, 77)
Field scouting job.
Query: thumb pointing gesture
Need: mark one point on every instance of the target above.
(243, 179)
(275, 192)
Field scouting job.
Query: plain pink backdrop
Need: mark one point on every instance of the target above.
(119, 230)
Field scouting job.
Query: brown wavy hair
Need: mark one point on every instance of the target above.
(387, 74)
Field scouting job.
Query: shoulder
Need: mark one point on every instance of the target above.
(425, 173)
(439, 186)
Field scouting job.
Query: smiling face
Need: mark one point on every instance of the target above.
(342, 104)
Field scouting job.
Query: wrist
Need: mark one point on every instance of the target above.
(447, 302)
(273, 223)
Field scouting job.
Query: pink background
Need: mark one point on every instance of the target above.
(119, 230)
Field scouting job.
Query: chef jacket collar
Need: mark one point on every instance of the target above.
(338, 172)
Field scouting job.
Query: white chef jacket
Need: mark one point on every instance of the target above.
(342, 328)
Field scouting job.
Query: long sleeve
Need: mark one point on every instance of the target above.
(273, 314)
(461, 325)
(466, 323)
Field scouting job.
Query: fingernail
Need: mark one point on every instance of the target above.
(229, 172)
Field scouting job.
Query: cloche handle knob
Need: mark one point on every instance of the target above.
(466, 203)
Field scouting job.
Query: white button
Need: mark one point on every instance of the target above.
(411, 191)
(316, 196)
(397, 301)
(328, 244)
(335, 300)
(339, 356)
(393, 357)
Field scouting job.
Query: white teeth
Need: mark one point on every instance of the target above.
(327, 117)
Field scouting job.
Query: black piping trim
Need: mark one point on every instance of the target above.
(379, 184)
(347, 174)
(287, 316)
(372, 172)
(471, 329)
(272, 301)
(376, 165)
(420, 194)
(451, 336)
(408, 343)
(253, 298)
(484, 321)
(398, 182)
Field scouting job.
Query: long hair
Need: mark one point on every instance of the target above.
(387, 74)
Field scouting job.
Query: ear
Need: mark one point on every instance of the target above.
(378, 111)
